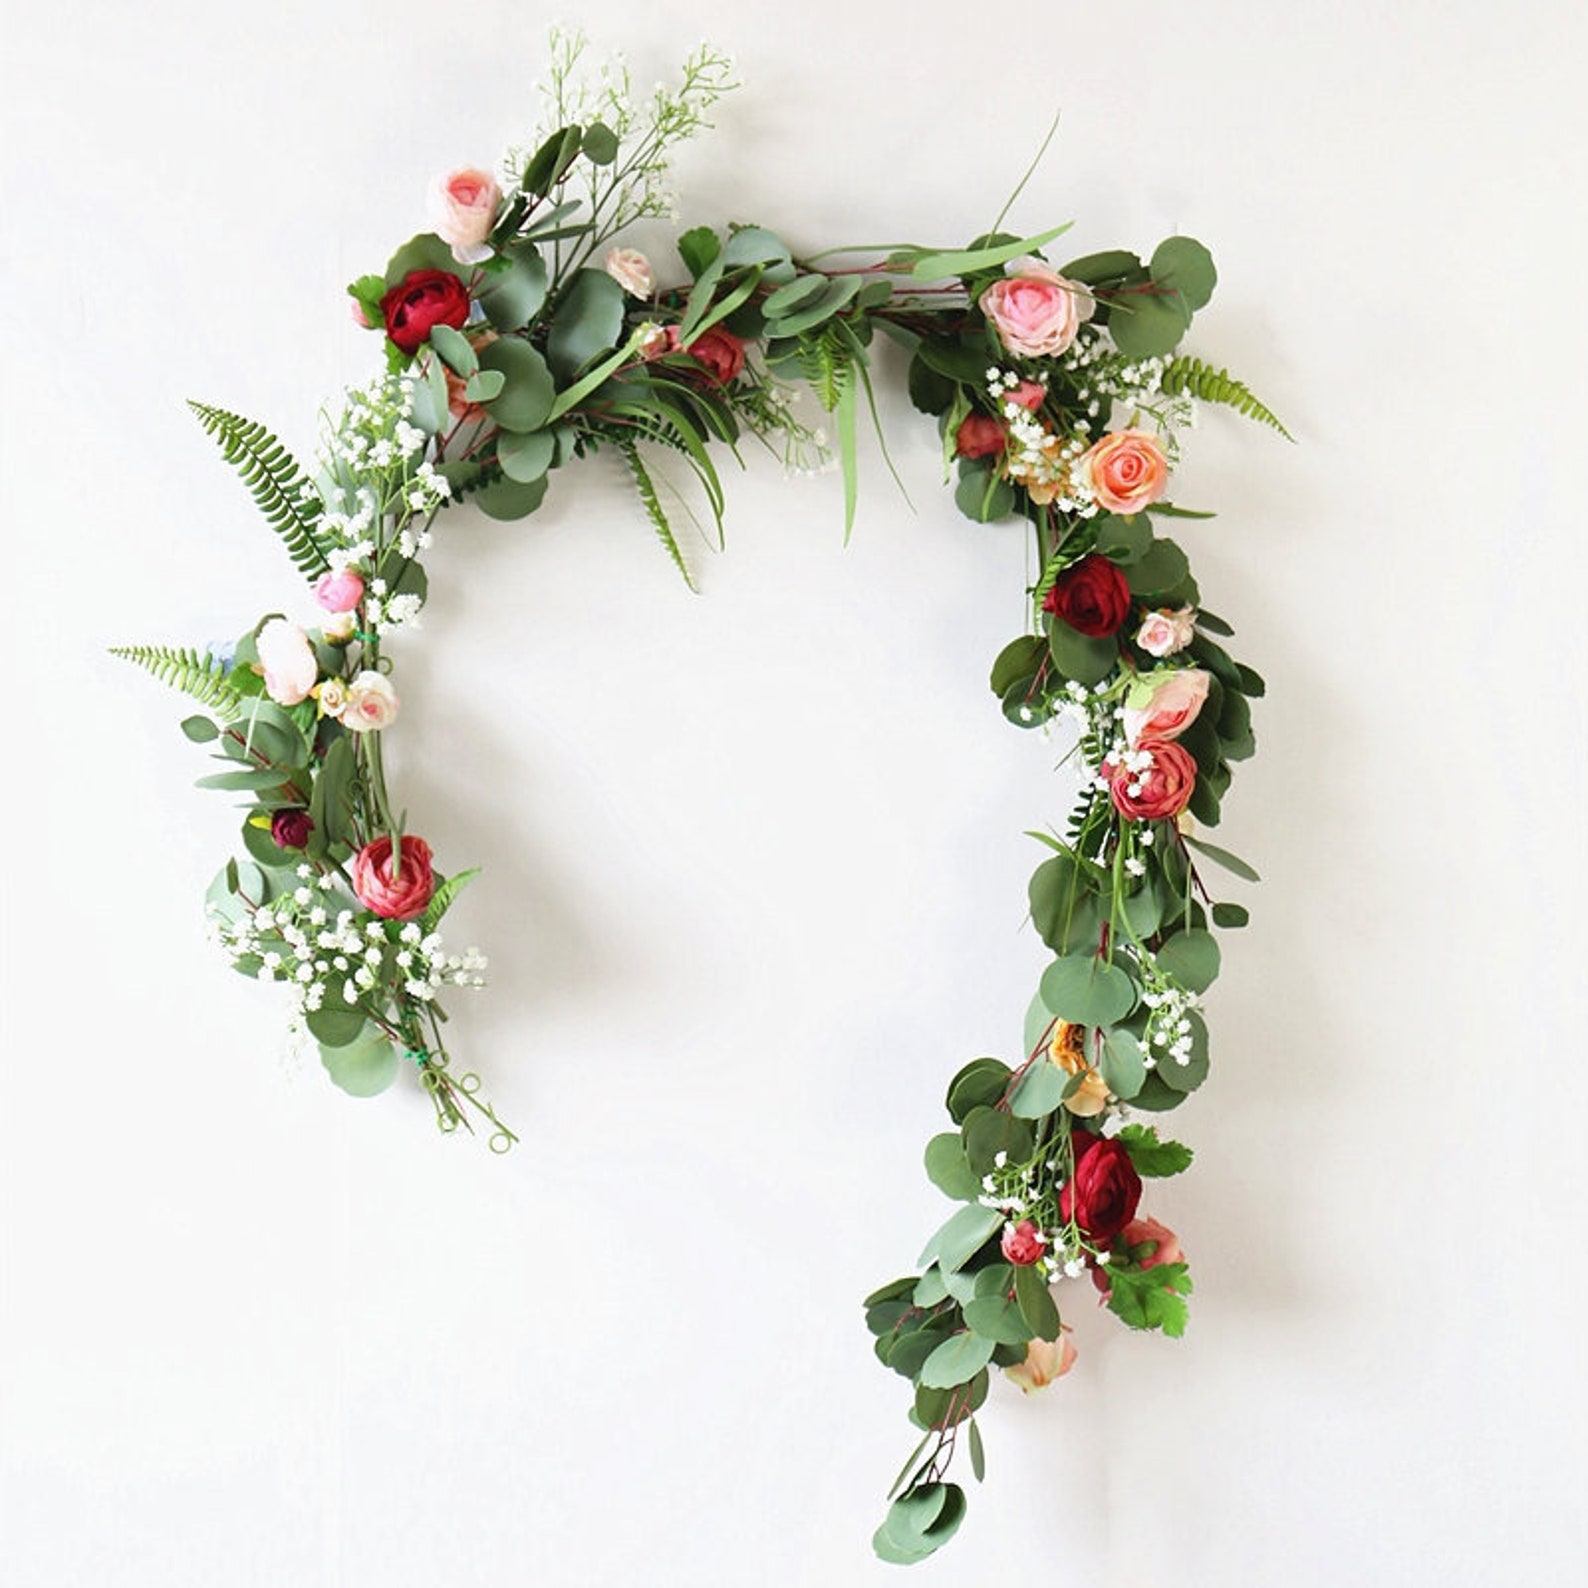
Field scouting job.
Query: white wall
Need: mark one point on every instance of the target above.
(755, 875)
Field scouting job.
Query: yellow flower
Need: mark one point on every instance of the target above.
(1068, 1051)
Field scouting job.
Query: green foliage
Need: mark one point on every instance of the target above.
(1191, 377)
(646, 487)
(284, 494)
(1150, 1298)
(1154, 1159)
(198, 675)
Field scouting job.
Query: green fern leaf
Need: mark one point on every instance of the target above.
(646, 487)
(284, 494)
(1190, 376)
(201, 676)
(441, 900)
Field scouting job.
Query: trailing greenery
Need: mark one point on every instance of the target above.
(646, 489)
(197, 674)
(1191, 377)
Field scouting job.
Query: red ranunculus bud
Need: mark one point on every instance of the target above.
(1091, 596)
(290, 828)
(720, 352)
(1102, 1193)
(978, 436)
(422, 300)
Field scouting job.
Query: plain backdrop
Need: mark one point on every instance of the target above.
(755, 863)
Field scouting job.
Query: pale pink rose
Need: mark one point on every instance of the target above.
(1034, 310)
(631, 270)
(1045, 1361)
(287, 660)
(332, 695)
(1029, 394)
(1163, 705)
(1126, 470)
(463, 207)
(1139, 1231)
(371, 703)
(1163, 633)
(339, 591)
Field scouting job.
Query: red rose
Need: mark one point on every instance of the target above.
(1162, 787)
(398, 898)
(721, 352)
(979, 437)
(1091, 596)
(1022, 1244)
(422, 300)
(1104, 1189)
(291, 828)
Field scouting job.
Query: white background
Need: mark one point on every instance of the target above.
(755, 873)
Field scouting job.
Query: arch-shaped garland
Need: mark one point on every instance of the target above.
(517, 341)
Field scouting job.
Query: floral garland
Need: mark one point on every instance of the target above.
(518, 340)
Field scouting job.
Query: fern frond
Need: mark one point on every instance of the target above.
(446, 892)
(201, 676)
(646, 487)
(1190, 376)
(284, 494)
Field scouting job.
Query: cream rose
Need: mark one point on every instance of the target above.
(371, 703)
(1034, 310)
(463, 207)
(1126, 471)
(1163, 633)
(632, 271)
(1045, 1361)
(332, 695)
(338, 626)
(287, 659)
(1164, 704)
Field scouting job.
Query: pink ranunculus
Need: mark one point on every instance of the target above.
(719, 352)
(287, 660)
(1164, 633)
(371, 703)
(1152, 782)
(398, 898)
(979, 436)
(1140, 1231)
(463, 206)
(340, 590)
(1034, 310)
(1022, 1243)
(1029, 394)
(1045, 1361)
(1126, 470)
(631, 270)
(1163, 705)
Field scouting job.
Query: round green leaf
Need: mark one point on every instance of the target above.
(1192, 958)
(957, 1361)
(334, 1027)
(526, 458)
(1122, 1066)
(507, 499)
(1086, 659)
(1159, 571)
(947, 1169)
(981, 495)
(600, 144)
(528, 392)
(1123, 540)
(201, 730)
(1231, 915)
(588, 322)
(1038, 1092)
(1065, 908)
(1189, 1076)
(1147, 325)
(998, 1318)
(484, 385)
(512, 297)
(1184, 264)
(980, 1084)
(1087, 991)
(364, 1067)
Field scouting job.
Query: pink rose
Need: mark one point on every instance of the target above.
(1163, 705)
(463, 207)
(1127, 470)
(398, 898)
(339, 591)
(631, 270)
(1029, 394)
(287, 660)
(1153, 781)
(1139, 1232)
(1034, 310)
(1045, 1361)
(371, 703)
(1163, 633)
(1022, 1243)
(979, 437)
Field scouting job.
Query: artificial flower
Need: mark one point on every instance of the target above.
(421, 301)
(287, 660)
(396, 898)
(1153, 781)
(290, 827)
(1022, 1243)
(463, 206)
(1035, 311)
(1164, 633)
(1045, 1361)
(371, 703)
(979, 436)
(340, 590)
(1067, 1049)
(1102, 1192)
(631, 270)
(1092, 596)
(1163, 704)
(1126, 470)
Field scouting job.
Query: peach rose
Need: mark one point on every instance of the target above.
(1068, 1051)
(1163, 705)
(371, 703)
(1126, 470)
(1045, 1361)
(463, 207)
(1163, 633)
(1167, 1249)
(1034, 310)
(631, 270)
(287, 660)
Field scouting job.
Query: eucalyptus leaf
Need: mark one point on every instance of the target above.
(1121, 1064)
(587, 321)
(511, 298)
(1083, 657)
(528, 391)
(1088, 991)
(961, 1237)
(947, 1169)
(1036, 1303)
(957, 1360)
(525, 457)
(507, 499)
(1192, 958)
(1039, 1091)
(364, 1067)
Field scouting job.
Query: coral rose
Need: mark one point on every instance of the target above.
(979, 437)
(1022, 1243)
(371, 703)
(1101, 1195)
(720, 352)
(463, 207)
(398, 898)
(1163, 633)
(1153, 781)
(1091, 596)
(1034, 310)
(1164, 1241)
(1163, 705)
(421, 301)
(1045, 1361)
(1126, 470)
(288, 661)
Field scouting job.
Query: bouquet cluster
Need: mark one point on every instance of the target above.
(520, 334)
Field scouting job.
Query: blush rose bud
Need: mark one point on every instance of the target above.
(1022, 1243)
(463, 207)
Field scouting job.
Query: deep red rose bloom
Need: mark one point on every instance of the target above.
(422, 300)
(720, 352)
(1103, 1192)
(1162, 789)
(398, 898)
(291, 828)
(1092, 597)
(979, 437)
(1022, 1243)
